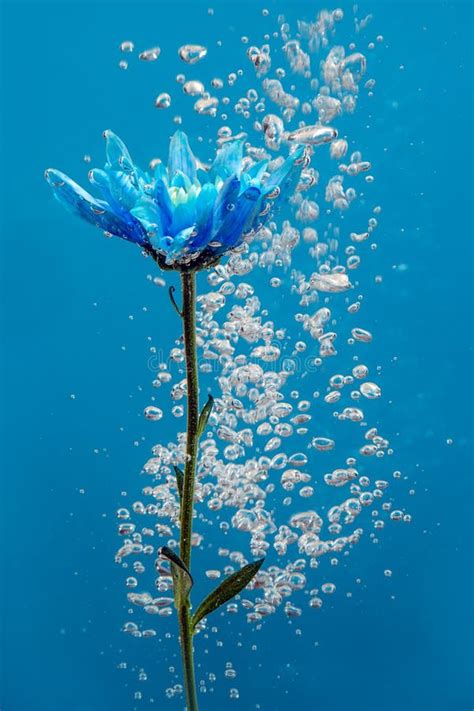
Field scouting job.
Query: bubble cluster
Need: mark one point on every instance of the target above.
(282, 473)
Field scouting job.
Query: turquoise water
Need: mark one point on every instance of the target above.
(402, 643)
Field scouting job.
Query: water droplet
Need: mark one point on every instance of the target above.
(207, 106)
(153, 413)
(163, 101)
(273, 129)
(328, 588)
(313, 135)
(370, 390)
(359, 334)
(127, 46)
(332, 283)
(323, 444)
(338, 149)
(150, 55)
(193, 88)
(192, 53)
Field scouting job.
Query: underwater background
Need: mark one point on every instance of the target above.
(76, 374)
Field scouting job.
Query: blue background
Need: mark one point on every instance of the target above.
(403, 644)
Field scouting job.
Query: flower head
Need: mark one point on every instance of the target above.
(185, 216)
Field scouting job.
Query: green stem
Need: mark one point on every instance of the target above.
(187, 655)
(188, 282)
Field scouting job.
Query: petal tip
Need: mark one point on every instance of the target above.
(179, 133)
(54, 177)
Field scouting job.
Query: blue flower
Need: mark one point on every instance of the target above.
(183, 215)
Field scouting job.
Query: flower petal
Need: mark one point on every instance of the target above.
(180, 180)
(97, 212)
(180, 245)
(228, 160)
(117, 187)
(256, 172)
(204, 217)
(181, 157)
(118, 157)
(184, 216)
(286, 175)
(237, 221)
(147, 212)
(163, 200)
(225, 201)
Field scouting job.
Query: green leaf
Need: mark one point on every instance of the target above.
(204, 416)
(182, 580)
(229, 587)
(179, 480)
